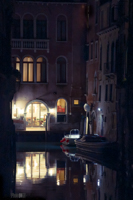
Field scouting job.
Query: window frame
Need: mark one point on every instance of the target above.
(59, 29)
(58, 68)
(46, 77)
(66, 112)
(28, 70)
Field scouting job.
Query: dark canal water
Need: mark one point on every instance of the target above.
(55, 173)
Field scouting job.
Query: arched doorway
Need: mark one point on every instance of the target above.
(36, 113)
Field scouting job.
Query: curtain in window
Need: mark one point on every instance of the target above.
(30, 72)
(41, 70)
(25, 72)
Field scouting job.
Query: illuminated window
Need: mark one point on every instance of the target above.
(16, 63)
(75, 180)
(41, 27)
(28, 27)
(41, 70)
(61, 70)
(61, 28)
(61, 110)
(76, 102)
(27, 69)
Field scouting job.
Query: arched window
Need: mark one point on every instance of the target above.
(27, 69)
(16, 63)
(61, 70)
(41, 27)
(61, 28)
(61, 110)
(41, 70)
(28, 29)
(16, 27)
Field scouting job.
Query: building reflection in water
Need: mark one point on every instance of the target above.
(54, 175)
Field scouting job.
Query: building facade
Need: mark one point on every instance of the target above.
(48, 40)
(101, 68)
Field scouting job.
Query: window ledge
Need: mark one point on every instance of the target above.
(61, 83)
(33, 83)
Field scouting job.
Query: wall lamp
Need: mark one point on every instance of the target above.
(99, 109)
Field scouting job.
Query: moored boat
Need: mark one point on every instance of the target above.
(95, 144)
(69, 139)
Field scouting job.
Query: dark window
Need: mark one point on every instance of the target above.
(99, 99)
(16, 29)
(27, 29)
(102, 19)
(107, 58)
(41, 70)
(112, 58)
(96, 49)
(61, 28)
(96, 12)
(61, 70)
(41, 29)
(106, 93)
(101, 58)
(111, 89)
(91, 51)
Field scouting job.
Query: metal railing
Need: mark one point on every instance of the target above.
(34, 44)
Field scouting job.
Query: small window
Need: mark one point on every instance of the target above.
(41, 27)
(91, 51)
(28, 29)
(106, 93)
(41, 70)
(61, 110)
(111, 92)
(99, 98)
(96, 12)
(61, 70)
(16, 64)
(96, 49)
(100, 58)
(27, 69)
(16, 28)
(102, 18)
(61, 28)
(76, 102)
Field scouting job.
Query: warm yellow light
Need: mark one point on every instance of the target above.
(75, 180)
(76, 102)
(52, 111)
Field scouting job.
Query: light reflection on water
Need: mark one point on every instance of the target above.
(59, 174)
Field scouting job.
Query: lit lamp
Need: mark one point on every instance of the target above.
(87, 109)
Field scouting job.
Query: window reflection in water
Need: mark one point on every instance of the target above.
(35, 167)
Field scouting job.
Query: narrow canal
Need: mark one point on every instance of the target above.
(59, 173)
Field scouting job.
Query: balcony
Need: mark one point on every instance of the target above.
(32, 44)
(109, 69)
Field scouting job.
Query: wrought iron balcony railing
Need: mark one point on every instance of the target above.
(34, 44)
